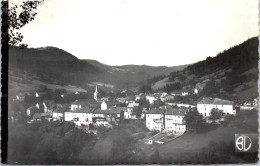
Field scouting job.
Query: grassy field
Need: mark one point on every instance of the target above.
(191, 143)
(28, 83)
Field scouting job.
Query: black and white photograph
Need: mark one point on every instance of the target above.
(129, 82)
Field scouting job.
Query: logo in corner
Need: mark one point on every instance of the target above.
(243, 143)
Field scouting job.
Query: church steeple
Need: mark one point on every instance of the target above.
(96, 93)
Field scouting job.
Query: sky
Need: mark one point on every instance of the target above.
(150, 32)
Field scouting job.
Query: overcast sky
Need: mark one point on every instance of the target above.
(151, 32)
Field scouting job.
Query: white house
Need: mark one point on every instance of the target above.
(103, 105)
(57, 116)
(184, 93)
(167, 98)
(174, 122)
(79, 117)
(30, 111)
(58, 113)
(155, 119)
(205, 106)
(150, 99)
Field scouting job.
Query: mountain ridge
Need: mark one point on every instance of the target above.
(231, 74)
(56, 65)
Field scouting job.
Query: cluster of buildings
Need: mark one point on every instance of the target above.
(166, 119)
(103, 112)
(163, 96)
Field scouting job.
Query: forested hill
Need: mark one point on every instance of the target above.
(56, 66)
(232, 74)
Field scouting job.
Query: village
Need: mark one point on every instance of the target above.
(159, 112)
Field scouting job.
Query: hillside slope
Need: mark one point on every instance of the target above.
(52, 65)
(232, 74)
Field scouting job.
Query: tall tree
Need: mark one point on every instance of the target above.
(18, 16)
(137, 111)
(194, 120)
(216, 114)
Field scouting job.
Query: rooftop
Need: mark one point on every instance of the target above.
(156, 111)
(132, 105)
(215, 101)
(85, 102)
(40, 115)
(60, 109)
(83, 110)
(175, 111)
(111, 110)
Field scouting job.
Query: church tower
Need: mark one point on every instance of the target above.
(96, 93)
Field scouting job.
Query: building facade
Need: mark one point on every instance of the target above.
(174, 121)
(155, 119)
(206, 105)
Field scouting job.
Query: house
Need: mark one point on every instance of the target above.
(121, 99)
(103, 105)
(103, 117)
(48, 105)
(40, 116)
(155, 119)
(80, 103)
(103, 122)
(174, 120)
(37, 95)
(159, 95)
(140, 96)
(129, 110)
(111, 114)
(150, 99)
(81, 117)
(181, 105)
(104, 98)
(167, 98)
(166, 119)
(205, 106)
(20, 97)
(32, 110)
(112, 103)
(38, 108)
(58, 113)
(185, 93)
